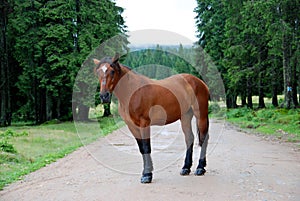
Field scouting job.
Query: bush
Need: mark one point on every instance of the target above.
(12, 133)
(6, 157)
(214, 108)
(238, 113)
(266, 114)
(7, 147)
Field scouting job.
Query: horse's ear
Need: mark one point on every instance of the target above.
(96, 61)
(116, 58)
(115, 62)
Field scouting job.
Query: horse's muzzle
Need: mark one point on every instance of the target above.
(105, 97)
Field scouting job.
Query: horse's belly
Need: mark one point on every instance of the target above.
(159, 115)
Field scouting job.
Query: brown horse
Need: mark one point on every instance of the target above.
(144, 102)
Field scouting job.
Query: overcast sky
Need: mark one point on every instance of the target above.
(171, 15)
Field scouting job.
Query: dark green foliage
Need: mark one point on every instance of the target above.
(12, 133)
(238, 113)
(283, 123)
(255, 45)
(214, 108)
(47, 41)
(5, 146)
(161, 62)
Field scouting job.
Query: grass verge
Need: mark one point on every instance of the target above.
(281, 123)
(24, 149)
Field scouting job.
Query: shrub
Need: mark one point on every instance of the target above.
(7, 147)
(12, 133)
(214, 108)
(238, 113)
(266, 114)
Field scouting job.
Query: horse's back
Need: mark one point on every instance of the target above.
(185, 81)
(190, 91)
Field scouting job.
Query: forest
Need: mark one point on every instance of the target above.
(43, 45)
(253, 43)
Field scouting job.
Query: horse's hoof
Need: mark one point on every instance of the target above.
(185, 172)
(146, 178)
(200, 172)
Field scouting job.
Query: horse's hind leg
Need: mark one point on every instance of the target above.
(202, 130)
(189, 140)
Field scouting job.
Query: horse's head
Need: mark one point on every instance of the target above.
(108, 71)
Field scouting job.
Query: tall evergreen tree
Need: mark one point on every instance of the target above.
(259, 47)
(52, 39)
(100, 30)
(210, 21)
(5, 80)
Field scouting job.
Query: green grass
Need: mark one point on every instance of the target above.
(282, 123)
(24, 149)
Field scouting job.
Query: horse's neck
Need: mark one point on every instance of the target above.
(128, 84)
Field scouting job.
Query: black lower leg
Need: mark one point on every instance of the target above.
(186, 169)
(202, 163)
(144, 146)
(145, 149)
(200, 168)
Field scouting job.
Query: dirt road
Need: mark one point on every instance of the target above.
(240, 167)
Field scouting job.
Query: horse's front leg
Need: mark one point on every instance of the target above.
(142, 136)
(145, 149)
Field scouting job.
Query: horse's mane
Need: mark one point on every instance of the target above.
(126, 67)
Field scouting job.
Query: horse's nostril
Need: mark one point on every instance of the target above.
(105, 96)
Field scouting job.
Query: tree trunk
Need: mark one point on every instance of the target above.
(49, 106)
(274, 96)
(249, 93)
(295, 81)
(58, 108)
(83, 113)
(42, 106)
(244, 100)
(231, 101)
(286, 72)
(4, 71)
(74, 110)
(261, 57)
(275, 81)
(294, 93)
(261, 102)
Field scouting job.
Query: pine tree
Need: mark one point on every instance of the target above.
(5, 85)
(52, 39)
(259, 48)
(100, 30)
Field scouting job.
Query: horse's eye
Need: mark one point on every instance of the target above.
(112, 73)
